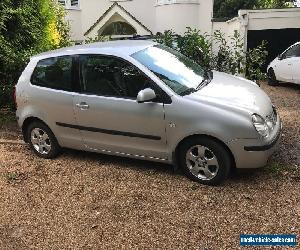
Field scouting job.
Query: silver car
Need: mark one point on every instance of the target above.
(142, 100)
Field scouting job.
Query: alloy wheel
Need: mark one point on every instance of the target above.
(40, 141)
(202, 162)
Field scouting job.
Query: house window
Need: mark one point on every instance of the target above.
(74, 3)
(62, 2)
(165, 2)
(118, 28)
(70, 4)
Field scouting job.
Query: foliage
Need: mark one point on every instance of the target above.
(6, 96)
(97, 39)
(166, 38)
(12, 176)
(272, 3)
(27, 27)
(196, 46)
(219, 52)
(230, 57)
(6, 118)
(255, 58)
(230, 8)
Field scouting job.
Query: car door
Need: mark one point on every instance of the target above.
(284, 67)
(296, 65)
(108, 115)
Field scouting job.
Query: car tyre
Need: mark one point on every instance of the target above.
(205, 160)
(272, 81)
(42, 140)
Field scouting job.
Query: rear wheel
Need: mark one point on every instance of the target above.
(204, 160)
(42, 141)
(272, 81)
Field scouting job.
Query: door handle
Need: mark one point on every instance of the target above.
(82, 106)
(289, 64)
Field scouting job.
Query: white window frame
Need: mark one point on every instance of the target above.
(68, 6)
(166, 2)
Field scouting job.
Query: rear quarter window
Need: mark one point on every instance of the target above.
(54, 73)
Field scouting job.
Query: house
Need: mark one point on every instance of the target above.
(125, 18)
(92, 18)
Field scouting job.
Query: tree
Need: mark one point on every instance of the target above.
(230, 8)
(27, 27)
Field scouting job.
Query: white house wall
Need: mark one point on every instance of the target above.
(142, 10)
(274, 19)
(74, 19)
(156, 15)
(206, 9)
(177, 17)
(228, 29)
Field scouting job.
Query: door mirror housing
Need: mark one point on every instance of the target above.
(146, 95)
(281, 57)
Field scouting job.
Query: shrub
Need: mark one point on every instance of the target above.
(196, 46)
(166, 38)
(97, 39)
(26, 28)
(6, 96)
(230, 57)
(254, 59)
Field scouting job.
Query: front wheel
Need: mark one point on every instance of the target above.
(204, 160)
(272, 81)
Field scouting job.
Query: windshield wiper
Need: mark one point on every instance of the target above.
(207, 77)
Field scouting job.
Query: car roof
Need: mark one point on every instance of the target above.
(117, 48)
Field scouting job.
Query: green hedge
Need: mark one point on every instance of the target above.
(27, 27)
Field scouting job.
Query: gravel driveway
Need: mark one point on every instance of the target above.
(90, 201)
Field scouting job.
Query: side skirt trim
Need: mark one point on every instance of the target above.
(110, 132)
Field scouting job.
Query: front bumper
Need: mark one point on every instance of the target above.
(249, 153)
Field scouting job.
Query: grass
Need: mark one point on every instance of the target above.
(12, 177)
(277, 169)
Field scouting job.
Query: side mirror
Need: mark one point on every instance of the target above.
(281, 57)
(146, 95)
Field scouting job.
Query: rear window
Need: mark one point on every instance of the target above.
(54, 73)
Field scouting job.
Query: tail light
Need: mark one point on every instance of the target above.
(15, 96)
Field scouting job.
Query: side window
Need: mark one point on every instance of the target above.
(293, 52)
(298, 50)
(110, 76)
(54, 73)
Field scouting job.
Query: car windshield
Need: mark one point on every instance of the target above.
(177, 71)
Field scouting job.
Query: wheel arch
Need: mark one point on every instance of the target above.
(176, 151)
(26, 123)
(271, 69)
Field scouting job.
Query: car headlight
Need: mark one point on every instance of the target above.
(261, 125)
